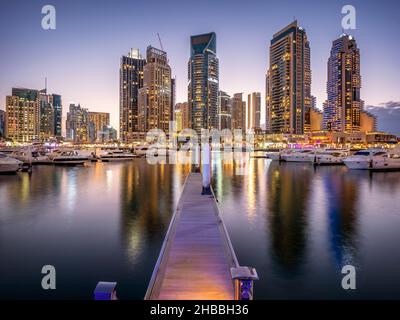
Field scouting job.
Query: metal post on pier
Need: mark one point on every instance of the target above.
(206, 168)
(105, 291)
(197, 158)
(243, 278)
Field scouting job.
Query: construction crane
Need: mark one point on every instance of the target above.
(159, 39)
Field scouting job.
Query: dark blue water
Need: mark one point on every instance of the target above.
(297, 225)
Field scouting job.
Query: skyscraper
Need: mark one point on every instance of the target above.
(97, 122)
(131, 80)
(155, 98)
(343, 105)
(50, 115)
(46, 116)
(224, 111)
(23, 115)
(238, 112)
(57, 106)
(203, 76)
(186, 114)
(77, 124)
(288, 92)
(2, 123)
(253, 111)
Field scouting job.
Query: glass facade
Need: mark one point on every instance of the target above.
(203, 76)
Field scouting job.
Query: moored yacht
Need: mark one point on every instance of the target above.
(278, 155)
(29, 156)
(330, 157)
(9, 164)
(300, 155)
(373, 159)
(116, 155)
(140, 150)
(70, 157)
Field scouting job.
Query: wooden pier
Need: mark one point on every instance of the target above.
(197, 260)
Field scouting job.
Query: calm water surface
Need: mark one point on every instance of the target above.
(297, 225)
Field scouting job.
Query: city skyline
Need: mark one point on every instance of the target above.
(99, 88)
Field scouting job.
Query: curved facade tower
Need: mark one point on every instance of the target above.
(203, 85)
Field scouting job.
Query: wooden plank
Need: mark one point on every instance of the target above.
(196, 256)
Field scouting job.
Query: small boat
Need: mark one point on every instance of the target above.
(324, 157)
(91, 155)
(28, 156)
(373, 159)
(9, 164)
(71, 157)
(278, 155)
(300, 155)
(117, 155)
(140, 151)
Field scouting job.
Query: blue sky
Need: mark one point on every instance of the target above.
(81, 57)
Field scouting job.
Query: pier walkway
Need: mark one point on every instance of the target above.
(197, 256)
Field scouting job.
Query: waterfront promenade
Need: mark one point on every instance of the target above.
(196, 257)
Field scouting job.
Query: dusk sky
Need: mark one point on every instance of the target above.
(81, 57)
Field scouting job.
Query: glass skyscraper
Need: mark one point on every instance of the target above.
(343, 106)
(131, 80)
(203, 76)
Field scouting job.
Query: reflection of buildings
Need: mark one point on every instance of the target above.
(146, 204)
(342, 192)
(288, 191)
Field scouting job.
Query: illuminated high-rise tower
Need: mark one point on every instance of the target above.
(23, 115)
(253, 111)
(288, 92)
(155, 97)
(238, 112)
(131, 80)
(203, 76)
(343, 106)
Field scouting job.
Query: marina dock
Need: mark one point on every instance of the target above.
(197, 260)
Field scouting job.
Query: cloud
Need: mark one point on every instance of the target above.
(388, 114)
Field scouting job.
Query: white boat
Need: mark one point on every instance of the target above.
(277, 155)
(300, 155)
(29, 156)
(9, 164)
(70, 157)
(373, 159)
(91, 155)
(330, 157)
(140, 150)
(116, 155)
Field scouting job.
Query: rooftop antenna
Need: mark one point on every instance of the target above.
(45, 85)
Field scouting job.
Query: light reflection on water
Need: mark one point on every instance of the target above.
(298, 225)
